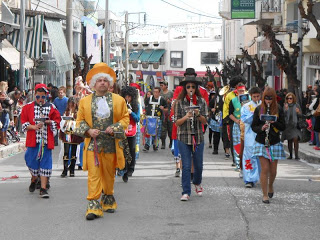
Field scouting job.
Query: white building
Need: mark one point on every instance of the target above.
(189, 45)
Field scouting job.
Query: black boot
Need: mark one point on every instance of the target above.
(65, 168)
(72, 166)
(215, 151)
(163, 146)
(125, 177)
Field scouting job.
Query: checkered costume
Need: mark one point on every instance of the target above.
(40, 166)
(276, 151)
(29, 113)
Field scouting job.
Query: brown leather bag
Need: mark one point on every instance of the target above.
(317, 111)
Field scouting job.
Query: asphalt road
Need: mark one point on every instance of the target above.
(149, 205)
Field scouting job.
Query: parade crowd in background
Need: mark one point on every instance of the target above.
(102, 126)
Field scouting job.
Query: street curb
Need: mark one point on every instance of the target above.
(12, 149)
(306, 155)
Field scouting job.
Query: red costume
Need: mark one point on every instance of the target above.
(28, 116)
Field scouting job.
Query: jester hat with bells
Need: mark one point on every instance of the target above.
(100, 70)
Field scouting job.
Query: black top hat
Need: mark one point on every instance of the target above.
(190, 79)
(190, 71)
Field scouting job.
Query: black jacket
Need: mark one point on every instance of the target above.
(274, 136)
(212, 104)
(316, 126)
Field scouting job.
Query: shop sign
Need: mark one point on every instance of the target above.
(159, 76)
(243, 9)
(181, 73)
(314, 60)
(139, 75)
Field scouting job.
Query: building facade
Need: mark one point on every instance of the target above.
(187, 47)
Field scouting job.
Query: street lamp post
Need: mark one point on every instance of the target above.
(127, 42)
(127, 49)
(106, 35)
(22, 28)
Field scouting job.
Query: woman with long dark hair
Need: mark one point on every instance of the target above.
(267, 145)
(130, 94)
(71, 141)
(215, 120)
(190, 135)
(292, 112)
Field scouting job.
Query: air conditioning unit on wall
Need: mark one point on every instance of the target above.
(277, 21)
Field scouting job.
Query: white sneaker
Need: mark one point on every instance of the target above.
(240, 174)
(185, 197)
(199, 190)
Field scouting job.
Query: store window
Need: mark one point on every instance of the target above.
(176, 59)
(209, 58)
(145, 65)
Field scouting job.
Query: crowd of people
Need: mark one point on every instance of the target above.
(100, 127)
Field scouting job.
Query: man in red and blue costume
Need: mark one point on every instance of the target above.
(40, 120)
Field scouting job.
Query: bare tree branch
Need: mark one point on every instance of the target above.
(310, 16)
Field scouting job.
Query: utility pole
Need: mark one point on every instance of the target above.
(299, 60)
(22, 28)
(106, 35)
(69, 30)
(127, 49)
(224, 39)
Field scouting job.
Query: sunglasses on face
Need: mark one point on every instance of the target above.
(38, 97)
(289, 98)
(268, 97)
(193, 87)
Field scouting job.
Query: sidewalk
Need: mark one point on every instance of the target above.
(12, 149)
(306, 152)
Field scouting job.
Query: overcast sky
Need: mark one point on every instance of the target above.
(161, 13)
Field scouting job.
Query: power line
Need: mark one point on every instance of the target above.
(190, 11)
(192, 7)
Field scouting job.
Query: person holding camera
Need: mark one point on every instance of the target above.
(268, 122)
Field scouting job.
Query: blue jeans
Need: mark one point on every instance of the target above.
(5, 121)
(316, 134)
(187, 155)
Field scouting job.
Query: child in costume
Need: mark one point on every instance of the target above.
(41, 121)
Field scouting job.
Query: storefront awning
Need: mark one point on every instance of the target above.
(33, 35)
(145, 55)
(156, 55)
(59, 46)
(12, 56)
(134, 56)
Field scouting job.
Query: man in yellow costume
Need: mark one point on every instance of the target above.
(102, 119)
